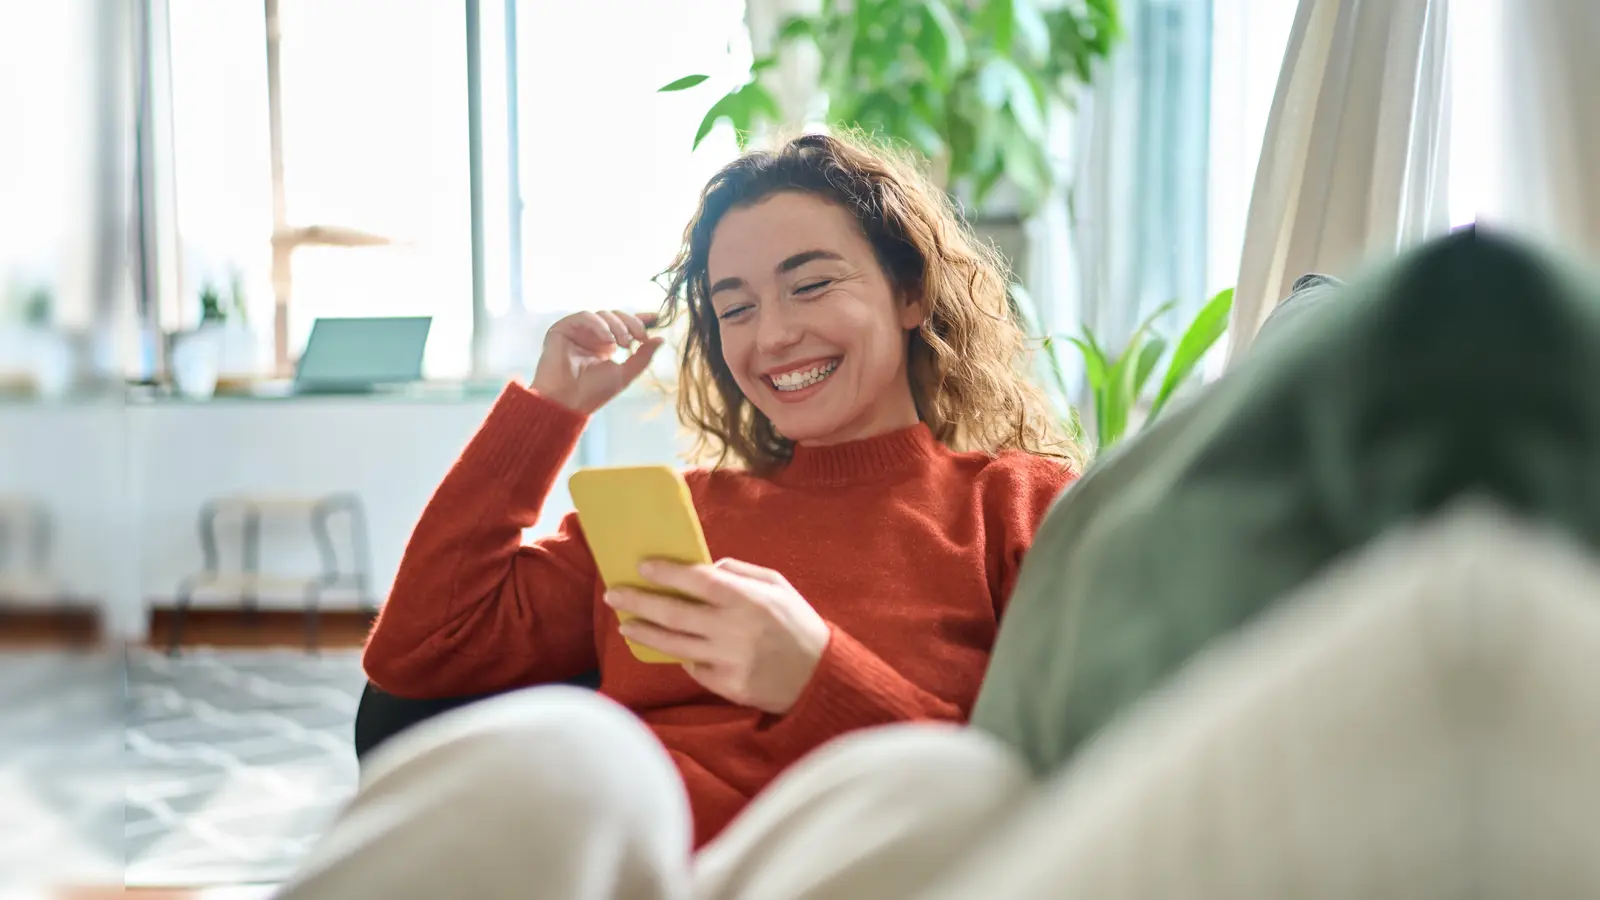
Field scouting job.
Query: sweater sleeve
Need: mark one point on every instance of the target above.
(472, 609)
(851, 688)
(1020, 492)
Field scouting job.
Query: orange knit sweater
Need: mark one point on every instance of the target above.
(907, 549)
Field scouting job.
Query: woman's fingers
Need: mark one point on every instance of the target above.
(686, 647)
(619, 329)
(634, 323)
(712, 584)
(634, 366)
(589, 331)
(671, 613)
(749, 570)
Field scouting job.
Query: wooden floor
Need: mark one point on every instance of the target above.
(205, 627)
(268, 628)
(49, 627)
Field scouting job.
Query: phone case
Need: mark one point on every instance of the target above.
(633, 513)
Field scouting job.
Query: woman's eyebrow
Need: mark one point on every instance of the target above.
(805, 256)
(733, 282)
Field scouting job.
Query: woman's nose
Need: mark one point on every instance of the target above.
(776, 329)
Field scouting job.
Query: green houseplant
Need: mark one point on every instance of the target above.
(215, 308)
(1118, 378)
(970, 84)
(221, 349)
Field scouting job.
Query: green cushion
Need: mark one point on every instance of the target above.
(1471, 365)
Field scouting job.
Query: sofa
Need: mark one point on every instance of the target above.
(1332, 628)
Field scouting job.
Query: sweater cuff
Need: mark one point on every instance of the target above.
(851, 688)
(524, 432)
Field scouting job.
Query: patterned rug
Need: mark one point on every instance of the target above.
(216, 767)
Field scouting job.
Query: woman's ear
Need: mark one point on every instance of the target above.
(913, 310)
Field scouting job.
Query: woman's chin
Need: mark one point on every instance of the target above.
(802, 429)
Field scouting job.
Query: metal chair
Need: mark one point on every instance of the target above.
(250, 583)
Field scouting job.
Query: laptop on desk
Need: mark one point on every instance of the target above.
(362, 355)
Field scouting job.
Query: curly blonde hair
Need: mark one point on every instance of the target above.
(968, 360)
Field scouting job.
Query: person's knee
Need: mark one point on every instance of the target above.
(875, 807)
(949, 766)
(554, 784)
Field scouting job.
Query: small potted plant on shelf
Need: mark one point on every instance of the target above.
(35, 356)
(222, 352)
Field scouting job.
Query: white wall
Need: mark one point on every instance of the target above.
(124, 485)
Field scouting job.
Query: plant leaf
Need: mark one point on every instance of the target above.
(1002, 84)
(1057, 375)
(938, 19)
(759, 104)
(682, 84)
(999, 18)
(1025, 166)
(730, 107)
(1097, 371)
(796, 27)
(1209, 324)
(1031, 32)
(1088, 335)
(1149, 357)
(1121, 393)
(1096, 367)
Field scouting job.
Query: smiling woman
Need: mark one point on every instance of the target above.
(840, 267)
(815, 336)
(881, 463)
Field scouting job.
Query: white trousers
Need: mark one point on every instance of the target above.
(558, 792)
(1421, 722)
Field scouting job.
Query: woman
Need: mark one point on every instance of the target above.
(881, 463)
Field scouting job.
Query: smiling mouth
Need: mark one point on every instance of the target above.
(800, 379)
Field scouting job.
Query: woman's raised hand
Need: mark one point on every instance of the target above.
(577, 367)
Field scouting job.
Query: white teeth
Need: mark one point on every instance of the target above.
(804, 378)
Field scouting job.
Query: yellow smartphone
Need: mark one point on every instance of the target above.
(633, 513)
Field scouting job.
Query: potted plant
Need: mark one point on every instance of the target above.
(973, 86)
(222, 351)
(1117, 379)
(44, 358)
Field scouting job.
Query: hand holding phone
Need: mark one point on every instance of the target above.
(633, 513)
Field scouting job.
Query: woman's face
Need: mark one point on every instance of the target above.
(812, 330)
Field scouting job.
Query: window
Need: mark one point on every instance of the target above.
(221, 156)
(1475, 95)
(1249, 39)
(375, 178)
(603, 165)
(48, 103)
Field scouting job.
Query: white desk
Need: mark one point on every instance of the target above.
(124, 482)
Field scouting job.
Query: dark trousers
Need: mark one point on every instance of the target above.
(381, 716)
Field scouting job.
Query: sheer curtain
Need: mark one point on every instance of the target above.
(1140, 181)
(1355, 161)
(1549, 178)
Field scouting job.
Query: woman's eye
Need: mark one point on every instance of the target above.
(813, 286)
(732, 312)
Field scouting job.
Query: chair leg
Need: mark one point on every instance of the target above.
(313, 618)
(179, 612)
